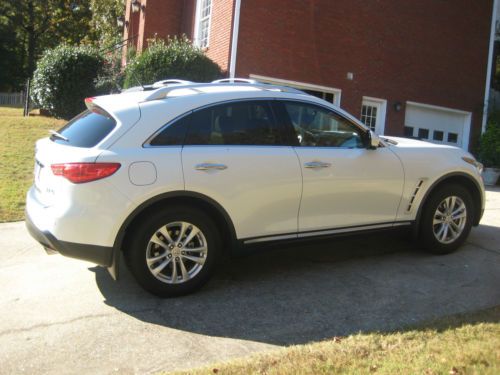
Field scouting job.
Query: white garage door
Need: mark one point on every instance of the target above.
(437, 124)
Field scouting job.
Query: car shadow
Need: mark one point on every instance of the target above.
(317, 290)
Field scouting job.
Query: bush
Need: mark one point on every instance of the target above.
(64, 77)
(489, 145)
(177, 58)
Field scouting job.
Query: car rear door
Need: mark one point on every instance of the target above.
(345, 185)
(234, 153)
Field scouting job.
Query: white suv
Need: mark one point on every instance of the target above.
(174, 175)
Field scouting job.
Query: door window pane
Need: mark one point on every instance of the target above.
(423, 133)
(452, 137)
(319, 127)
(408, 131)
(369, 116)
(438, 135)
(239, 123)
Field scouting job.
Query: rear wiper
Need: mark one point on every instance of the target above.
(58, 135)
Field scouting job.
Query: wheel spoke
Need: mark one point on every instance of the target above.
(196, 249)
(160, 267)
(155, 239)
(451, 205)
(153, 260)
(199, 260)
(182, 231)
(174, 271)
(191, 235)
(164, 233)
(445, 232)
(185, 274)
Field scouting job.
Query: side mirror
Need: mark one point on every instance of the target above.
(373, 140)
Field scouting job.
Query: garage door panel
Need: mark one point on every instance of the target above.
(437, 125)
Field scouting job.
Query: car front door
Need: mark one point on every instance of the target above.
(234, 153)
(345, 184)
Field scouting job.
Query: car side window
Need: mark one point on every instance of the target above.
(316, 126)
(173, 135)
(235, 123)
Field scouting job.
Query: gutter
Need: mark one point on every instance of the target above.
(234, 38)
(490, 62)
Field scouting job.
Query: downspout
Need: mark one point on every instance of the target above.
(234, 39)
(490, 62)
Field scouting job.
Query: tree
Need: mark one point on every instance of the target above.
(105, 14)
(36, 25)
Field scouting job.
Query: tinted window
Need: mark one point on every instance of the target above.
(173, 134)
(86, 130)
(237, 123)
(319, 127)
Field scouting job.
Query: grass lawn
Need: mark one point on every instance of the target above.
(463, 344)
(17, 143)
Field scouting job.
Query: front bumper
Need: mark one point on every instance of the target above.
(101, 255)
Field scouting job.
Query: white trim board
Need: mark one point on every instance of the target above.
(234, 39)
(301, 85)
(489, 66)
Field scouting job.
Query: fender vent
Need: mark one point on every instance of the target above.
(414, 195)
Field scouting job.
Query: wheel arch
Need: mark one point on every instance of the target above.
(458, 178)
(193, 199)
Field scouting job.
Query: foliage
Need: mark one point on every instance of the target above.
(489, 145)
(105, 14)
(17, 142)
(176, 58)
(35, 25)
(65, 76)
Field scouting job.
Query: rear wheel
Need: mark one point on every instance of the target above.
(446, 219)
(174, 252)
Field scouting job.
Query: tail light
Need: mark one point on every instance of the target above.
(84, 172)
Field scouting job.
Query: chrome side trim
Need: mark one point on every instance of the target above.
(415, 192)
(327, 232)
(271, 238)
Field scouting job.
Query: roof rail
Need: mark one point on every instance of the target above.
(235, 80)
(165, 82)
(162, 92)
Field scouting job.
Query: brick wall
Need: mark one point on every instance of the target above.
(429, 51)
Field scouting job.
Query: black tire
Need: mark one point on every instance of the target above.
(427, 238)
(135, 252)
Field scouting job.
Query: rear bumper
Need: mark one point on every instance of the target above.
(101, 255)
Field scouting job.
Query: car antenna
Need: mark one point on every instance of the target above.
(137, 79)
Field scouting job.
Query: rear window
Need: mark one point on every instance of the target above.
(86, 130)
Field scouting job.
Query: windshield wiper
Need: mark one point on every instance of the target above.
(58, 135)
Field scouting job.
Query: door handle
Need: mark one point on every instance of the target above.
(317, 164)
(210, 166)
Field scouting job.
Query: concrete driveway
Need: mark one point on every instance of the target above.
(60, 315)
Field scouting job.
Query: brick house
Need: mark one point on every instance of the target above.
(414, 68)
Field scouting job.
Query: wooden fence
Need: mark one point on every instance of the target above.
(12, 99)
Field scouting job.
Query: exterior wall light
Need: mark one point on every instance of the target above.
(398, 106)
(136, 6)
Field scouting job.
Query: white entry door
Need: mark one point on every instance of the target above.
(373, 114)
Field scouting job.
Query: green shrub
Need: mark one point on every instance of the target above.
(489, 145)
(64, 77)
(176, 58)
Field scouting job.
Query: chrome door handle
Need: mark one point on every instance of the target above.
(317, 164)
(210, 166)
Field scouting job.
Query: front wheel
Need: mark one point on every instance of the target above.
(446, 219)
(174, 252)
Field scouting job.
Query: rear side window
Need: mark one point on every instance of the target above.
(236, 123)
(173, 134)
(86, 130)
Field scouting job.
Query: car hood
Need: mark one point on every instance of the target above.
(400, 142)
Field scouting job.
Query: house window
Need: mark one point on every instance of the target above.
(202, 27)
(328, 96)
(408, 131)
(423, 133)
(452, 137)
(369, 116)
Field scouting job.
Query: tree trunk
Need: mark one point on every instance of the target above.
(31, 38)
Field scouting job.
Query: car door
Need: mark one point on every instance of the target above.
(234, 153)
(345, 184)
